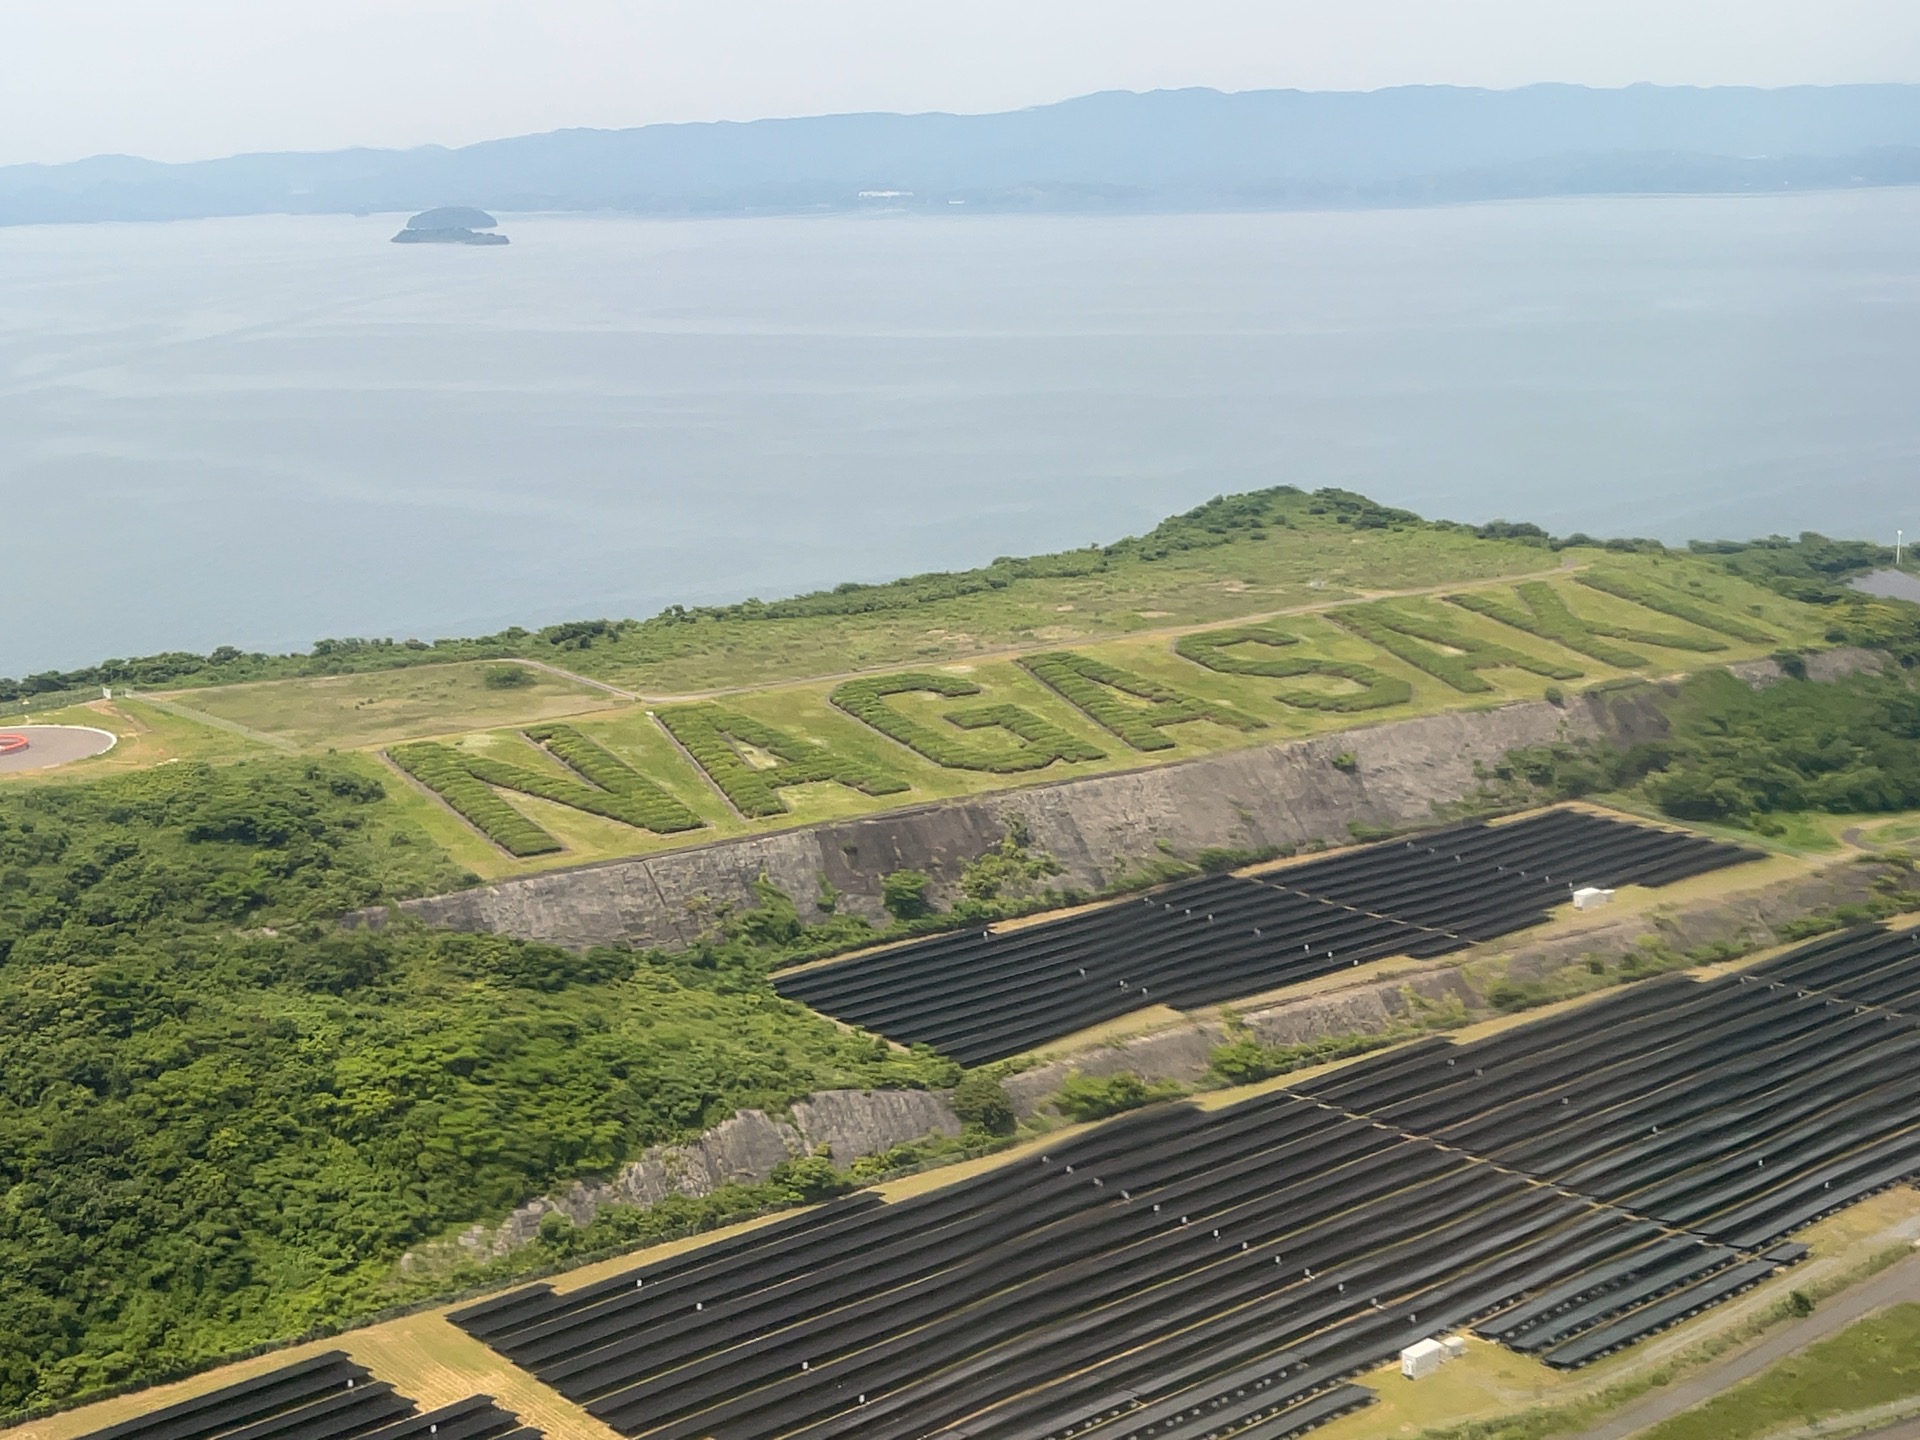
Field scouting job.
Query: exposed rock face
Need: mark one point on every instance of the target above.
(850, 1123)
(1184, 1052)
(1282, 795)
(1825, 666)
(1097, 828)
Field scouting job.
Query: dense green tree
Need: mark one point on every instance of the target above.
(223, 1117)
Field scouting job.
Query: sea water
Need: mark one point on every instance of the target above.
(262, 431)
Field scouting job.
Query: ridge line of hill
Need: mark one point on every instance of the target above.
(1115, 151)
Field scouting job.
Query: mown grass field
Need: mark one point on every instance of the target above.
(1289, 569)
(349, 712)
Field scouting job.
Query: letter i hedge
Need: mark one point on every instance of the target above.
(1043, 741)
(1095, 687)
(709, 734)
(1424, 642)
(1549, 616)
(466, 782)
(1224, 651)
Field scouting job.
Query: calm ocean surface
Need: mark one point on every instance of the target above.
(263, 431)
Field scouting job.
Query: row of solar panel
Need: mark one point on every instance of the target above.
(1180, 1273)
(1149, 1270)
(897, 1320)
(1737, 1111)
(984, 995)
(326, 1397)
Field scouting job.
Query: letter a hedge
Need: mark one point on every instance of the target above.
(1402, 633)
(1626, 587)
(709, 733)
(1217, 650)
(1550, 617)
(1045, 742)
(1095, 687)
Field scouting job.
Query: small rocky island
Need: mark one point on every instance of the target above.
(451, 225)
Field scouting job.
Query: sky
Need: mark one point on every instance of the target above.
(194, 79)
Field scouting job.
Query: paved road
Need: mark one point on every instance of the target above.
(1892, 1286)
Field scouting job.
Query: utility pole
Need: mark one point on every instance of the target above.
(1898, 537)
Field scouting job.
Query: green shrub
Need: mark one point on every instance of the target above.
(1085, 1097)
(1043, 741)
(709, 734)
(1630, 587)
(1424, 641)
(1346, 761)
(981, 1103)
(1548, 615)
(1219, 859)
(444, 771)
(507, 677)
(1094, 687)
(1218, 650)
(810, 1178)
(904, 893)
(1010, 871)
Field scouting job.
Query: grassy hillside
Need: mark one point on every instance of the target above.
(909, 738)
(1310, 572)
(224, 1120)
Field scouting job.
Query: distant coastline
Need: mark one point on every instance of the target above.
(448, 237)
(1167, 151)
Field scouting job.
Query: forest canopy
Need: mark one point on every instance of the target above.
(223, 1118)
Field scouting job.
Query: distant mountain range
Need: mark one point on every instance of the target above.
(1117, 151)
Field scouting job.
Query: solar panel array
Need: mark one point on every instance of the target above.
(327, 1397)
(981, 996)
(1180, 1274)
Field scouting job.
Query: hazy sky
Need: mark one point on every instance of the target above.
(185, 79)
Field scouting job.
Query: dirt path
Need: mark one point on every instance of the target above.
(586, 680)
(1892, 1286)
(201, 717)
(1909, 1430)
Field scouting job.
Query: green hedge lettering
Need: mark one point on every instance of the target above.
(1415, 638)
(443, 770)
(641, 803)
(1091, 685)
(623, 794)
(1627, 587)
(1548, 615)
(1218, 650)
(1045, 742)
(709, 733)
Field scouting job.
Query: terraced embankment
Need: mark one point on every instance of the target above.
(1097, 828)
